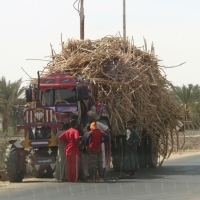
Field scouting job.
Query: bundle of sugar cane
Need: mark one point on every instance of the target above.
(128, 80)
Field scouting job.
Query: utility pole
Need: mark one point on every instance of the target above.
(124, 19)
(82, 20)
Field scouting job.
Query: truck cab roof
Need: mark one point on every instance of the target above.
(61, 80)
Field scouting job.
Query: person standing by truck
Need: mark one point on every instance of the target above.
(93, 117)
(82, 150)
(71, 136)
(61, 170)
(94, 141)
(130, 159)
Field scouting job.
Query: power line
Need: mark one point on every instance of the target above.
(77, 9)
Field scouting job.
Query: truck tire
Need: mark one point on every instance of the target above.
(152, 158)
(117, 148)
(116, 162)
(142, 153)
(142, 161)
(147, 152)
(44, 171)
(14, 173)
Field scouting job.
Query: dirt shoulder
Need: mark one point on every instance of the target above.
(183, 154)
(189, 143)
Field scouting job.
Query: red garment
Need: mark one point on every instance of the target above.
(70, 136)
(72, 167)
(96, 139)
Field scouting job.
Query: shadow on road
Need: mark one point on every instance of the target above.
(170, 169)
(161, 172)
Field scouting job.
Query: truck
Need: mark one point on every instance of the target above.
(52, 100)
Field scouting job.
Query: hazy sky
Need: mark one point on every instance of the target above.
(27, 27)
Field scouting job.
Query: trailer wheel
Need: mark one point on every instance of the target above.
(117, 147)
(116, 162)
(142, 161)
(152, 159)
(14, 173)
(142, 153)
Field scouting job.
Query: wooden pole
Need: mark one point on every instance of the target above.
(82, 20)
(124, 19)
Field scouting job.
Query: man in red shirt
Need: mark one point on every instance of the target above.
(71, 136)
(94, 141)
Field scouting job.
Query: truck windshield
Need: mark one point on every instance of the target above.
(58, 96)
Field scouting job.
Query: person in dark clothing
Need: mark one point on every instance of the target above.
(130, 159)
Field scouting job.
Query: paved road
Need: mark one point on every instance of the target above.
(177, 179)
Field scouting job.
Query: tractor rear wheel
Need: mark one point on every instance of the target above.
(12, 165)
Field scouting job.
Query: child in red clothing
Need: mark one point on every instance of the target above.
(94, 140)
(71, 136)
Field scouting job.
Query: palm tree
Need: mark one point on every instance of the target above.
(189, 99)
(16, 114)
(10, 92)
(187, 95)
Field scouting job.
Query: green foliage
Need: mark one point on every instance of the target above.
(189, 99)
(11, 132)
(16, 115)
(11, 103)
(187, 95)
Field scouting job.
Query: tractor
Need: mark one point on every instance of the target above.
(55, 97)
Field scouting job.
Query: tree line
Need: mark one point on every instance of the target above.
(12, 102)
(188, 97)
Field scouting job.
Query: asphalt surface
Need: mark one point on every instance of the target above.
(177, 179)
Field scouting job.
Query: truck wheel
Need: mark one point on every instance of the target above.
(14, 173)
(116, 162)
(44, 171)
(117, 147)
(142, 161)
(142, 153)
(152, 159)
